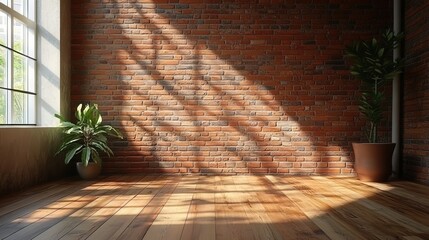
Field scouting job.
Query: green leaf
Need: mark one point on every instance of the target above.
(380, 52)
(86, 155)
(99, 120)
(85, 111)
(103, 147)
(78, 113)
(99, 132)
(88, 136)
(72, 152)
(100, 138)
(96, 156)
(76, 129)
(66, 124)
(62, 119)
(68, 144)
(111, 131)
(373, 64)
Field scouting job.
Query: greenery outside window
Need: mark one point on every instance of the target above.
(17, 62)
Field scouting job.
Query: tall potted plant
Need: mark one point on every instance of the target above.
(374, 65)
(87, 137)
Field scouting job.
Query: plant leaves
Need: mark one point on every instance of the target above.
(87, 136)
(86, 155)
(72, 152)
(99, 120)
(103, 147)
(373, 63)
(78, 112)
(62, 119)
(75, 129)
(95, 156)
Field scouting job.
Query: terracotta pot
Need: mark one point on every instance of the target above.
(89, 172)
(373, 161)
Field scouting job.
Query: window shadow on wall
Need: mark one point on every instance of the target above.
(202, 88)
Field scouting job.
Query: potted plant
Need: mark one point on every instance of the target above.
(87, 137)
(374, 65)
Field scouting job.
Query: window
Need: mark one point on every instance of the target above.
(17, 62)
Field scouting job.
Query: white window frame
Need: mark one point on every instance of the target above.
(30, 95)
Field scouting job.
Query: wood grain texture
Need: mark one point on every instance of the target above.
(201, 221)
(217, 207)
(37, 164)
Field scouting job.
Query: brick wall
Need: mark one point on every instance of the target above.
(416, 90)
(235, 87)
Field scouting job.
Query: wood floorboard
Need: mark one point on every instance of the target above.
(100, 196)
(217, 208)
(413, 209)
(405, 191)
(310, 203)
(34, 208)
(356, 210)
(19, 199)
(120, 194)
(259, 217)
(160, 194)
(201, 219)
(281, 207)
(32, 197)
(56, 209)
(116, 224)
(231, 219)
(171, 219)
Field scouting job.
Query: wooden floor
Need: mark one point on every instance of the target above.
(217, 207)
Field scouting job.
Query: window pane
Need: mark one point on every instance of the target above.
(18, 107)
(23, 73)
(19, 5)
(18, 36)
(3, 28)
(23, 106)
(30, 80)
(29, 42)
(19, 72)
(31, 109)
(3, 67)
(3, 106)
(25, 7)
(5, 2)
(31, 9)
(23, 39)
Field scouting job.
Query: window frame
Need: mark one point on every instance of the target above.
(30, 110)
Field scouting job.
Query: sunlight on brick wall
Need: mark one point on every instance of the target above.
(237, 87)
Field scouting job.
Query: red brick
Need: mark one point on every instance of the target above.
(416, 109)
(246, 88)
(269, 165)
